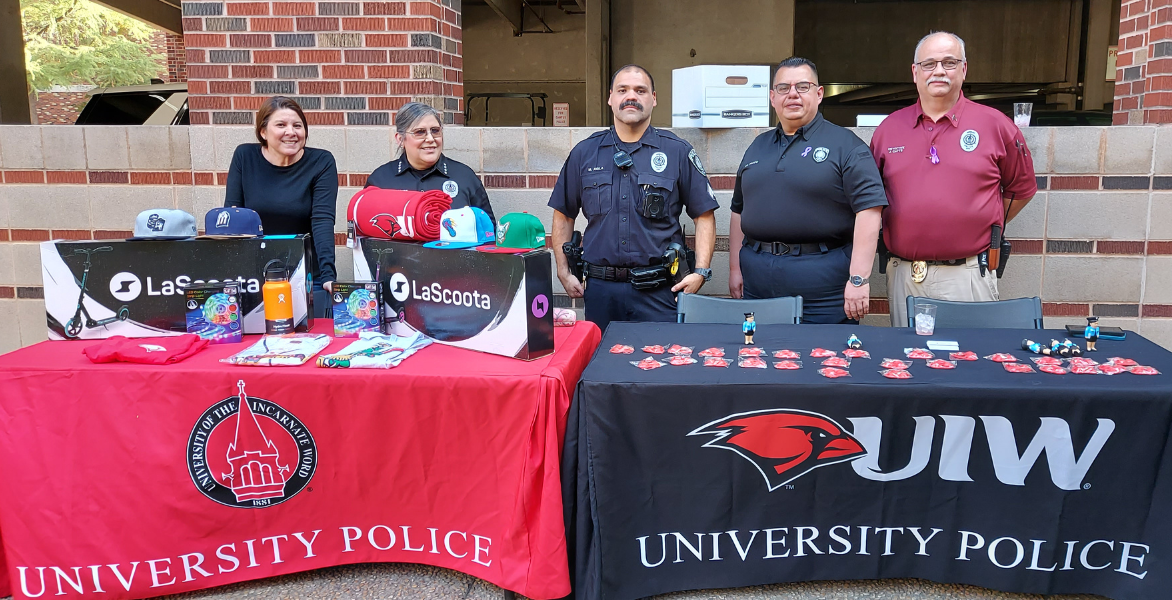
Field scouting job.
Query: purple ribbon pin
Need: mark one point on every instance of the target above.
(808, 148)
(935, 157)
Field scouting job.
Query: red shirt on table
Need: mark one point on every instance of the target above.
(943, 210)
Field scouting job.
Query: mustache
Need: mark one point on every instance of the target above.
(634, 103)
(939, 80)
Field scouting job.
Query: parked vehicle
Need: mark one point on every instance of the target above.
(154, 104)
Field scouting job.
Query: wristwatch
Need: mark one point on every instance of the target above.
(857, 280)
(705, 273)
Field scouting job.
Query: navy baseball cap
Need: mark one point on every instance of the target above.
(232, 222)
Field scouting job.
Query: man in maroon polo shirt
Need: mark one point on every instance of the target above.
(953, 169)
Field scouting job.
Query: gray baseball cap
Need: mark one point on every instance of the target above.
(164, 224)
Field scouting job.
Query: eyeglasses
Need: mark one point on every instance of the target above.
(421, 133)
(802, 87)
(950, 64)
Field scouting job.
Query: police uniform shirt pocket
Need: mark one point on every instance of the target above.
(597, 194)
(652, 181)
(656, 199)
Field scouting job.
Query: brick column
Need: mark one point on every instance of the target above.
(1143, 88)
(346, 63)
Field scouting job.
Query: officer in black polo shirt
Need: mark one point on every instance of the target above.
(806, 208)
(423, 167)
(632, 181)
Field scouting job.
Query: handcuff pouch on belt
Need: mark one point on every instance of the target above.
(677, 262)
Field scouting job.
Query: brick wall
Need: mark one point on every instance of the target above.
(346, 63)
(60, 108)
(1143, 89)
(1096, 240)
(176, 59)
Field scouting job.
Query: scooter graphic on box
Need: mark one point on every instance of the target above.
(74, 326)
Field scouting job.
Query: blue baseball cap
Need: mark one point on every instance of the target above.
(232, 222)
(466, 227)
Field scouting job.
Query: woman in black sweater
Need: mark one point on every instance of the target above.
(293, 188)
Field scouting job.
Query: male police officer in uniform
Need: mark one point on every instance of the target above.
(806, 207)
(631, 181)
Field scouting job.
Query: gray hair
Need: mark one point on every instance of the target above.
(962, 56)
(409, 114)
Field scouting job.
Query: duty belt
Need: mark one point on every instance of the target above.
(943, 263)
(783, 248)
(607, 273)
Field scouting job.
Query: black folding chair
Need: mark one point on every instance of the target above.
(1018, 313)
(694, 308)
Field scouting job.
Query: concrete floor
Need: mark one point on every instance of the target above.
(403, 581)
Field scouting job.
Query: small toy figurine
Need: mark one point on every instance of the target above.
(1091, 333)
(749, 328)
(854, 343)
(1036, 348)
(1075, 350)
(1057, 348)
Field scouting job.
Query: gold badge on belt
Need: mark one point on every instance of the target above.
(919, 271)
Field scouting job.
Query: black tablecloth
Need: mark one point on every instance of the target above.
(693, 477)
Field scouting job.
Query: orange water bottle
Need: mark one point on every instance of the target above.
(278, 299)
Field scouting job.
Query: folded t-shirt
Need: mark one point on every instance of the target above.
(286, 350)
(151, 351)
(375, 350)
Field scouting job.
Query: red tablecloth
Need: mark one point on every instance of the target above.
(140, 480)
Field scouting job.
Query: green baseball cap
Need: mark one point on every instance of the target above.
(517, 233)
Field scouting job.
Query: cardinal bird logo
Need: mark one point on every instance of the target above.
(783, 443)
(386, 223)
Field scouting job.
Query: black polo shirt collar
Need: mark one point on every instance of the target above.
(805, 131)
(402, 165)
(650, 138)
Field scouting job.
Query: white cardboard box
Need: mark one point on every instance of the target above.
(720, 96)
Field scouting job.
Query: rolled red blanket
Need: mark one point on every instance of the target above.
(398, 214)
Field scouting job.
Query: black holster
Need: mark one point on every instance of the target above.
(573, 251)
(679, 260)
(884, 254)
(1006, 249)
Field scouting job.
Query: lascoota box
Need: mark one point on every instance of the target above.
(496, 303)
(99, 289)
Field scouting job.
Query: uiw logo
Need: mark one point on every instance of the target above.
(785, 444)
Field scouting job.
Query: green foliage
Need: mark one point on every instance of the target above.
(71, 42)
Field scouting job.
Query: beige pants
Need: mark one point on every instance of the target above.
(962, 283)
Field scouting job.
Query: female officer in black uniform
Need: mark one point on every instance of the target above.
(422, 166)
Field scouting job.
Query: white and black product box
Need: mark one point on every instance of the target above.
(99, 289)
(496, 303)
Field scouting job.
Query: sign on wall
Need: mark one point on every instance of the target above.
(561, 114)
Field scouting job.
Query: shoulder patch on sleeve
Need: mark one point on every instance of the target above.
(695, 160)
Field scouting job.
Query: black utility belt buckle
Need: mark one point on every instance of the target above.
(647, 278)
(778, 248)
